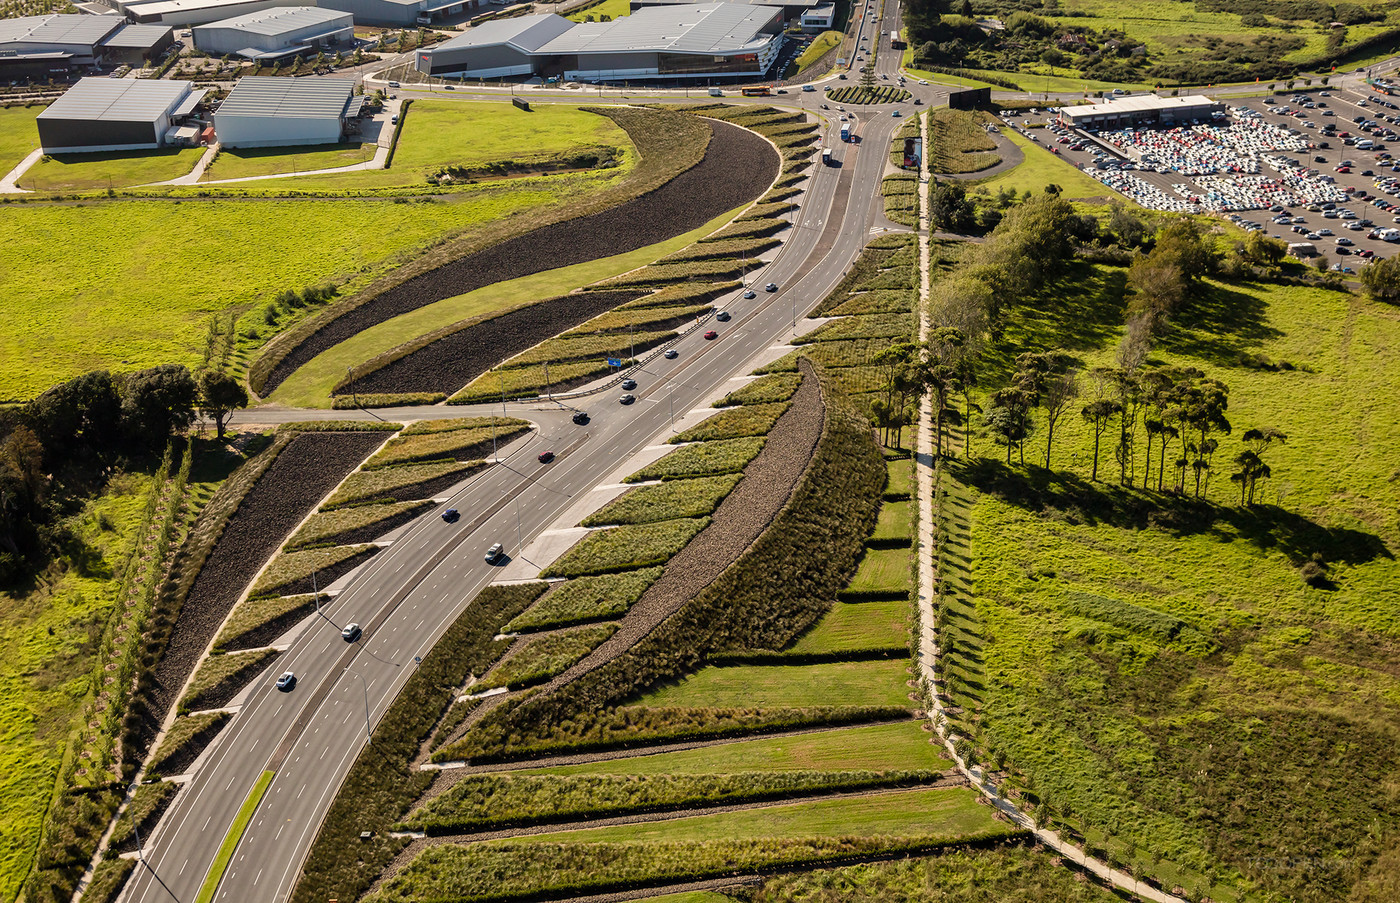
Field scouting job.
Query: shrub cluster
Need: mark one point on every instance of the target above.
(221, 677)
(704, 459)
(764, 390)
(539, 659)
(585, 599)
(667, 501)
(183, 742)
(626, 548)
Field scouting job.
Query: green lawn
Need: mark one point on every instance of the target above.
(117, 169)
(18, 135)
(881, 571)
(311, 385)
(902, 745)
(901, 481)
(766, 686)
(1225, 746)
(179, 262)
(1041, 168)
(895, 523)
(819, 48)
(47, 651)
(857, 625)
(242, 162)
(440, 133)
(900, 813)
(611, 8)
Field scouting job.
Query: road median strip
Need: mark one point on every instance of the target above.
(231, 839)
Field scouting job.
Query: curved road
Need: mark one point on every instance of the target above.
(411, 591)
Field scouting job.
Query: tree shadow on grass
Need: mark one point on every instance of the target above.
(1220, 325)
(1072, 499)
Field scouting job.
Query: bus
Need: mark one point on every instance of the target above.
(826, 156)
(761, 91)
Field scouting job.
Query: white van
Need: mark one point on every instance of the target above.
(716, 92)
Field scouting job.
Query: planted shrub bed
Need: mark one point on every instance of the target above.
(886, 326)
(543, 657)
(586, 599)
(859, 94)
(632, 726)
(220, 677)
(669, 500)
(889, 301)
(184, 741)
(361, 523)
(527, 382)
(108, 879)
(692, 271)
(145, 808)
(736, 423)
(736, 248)
(764, 390)
(257, 622)
(385, 400)
(589, 346)
(238, 532)
(467, 444)
(291, 572)
(704, 459)
(737, 166)
(482, 802)
(625, 548)
(632, 319)
(444, 361)
(682, 295)
(401, 483)
(382, 784)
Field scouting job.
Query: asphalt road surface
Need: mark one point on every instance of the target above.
(411, 591)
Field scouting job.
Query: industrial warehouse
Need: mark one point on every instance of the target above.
(691, 41)
(106, 114)
(276, 33)
(277, 112)
(1138, 110)
(57, 44)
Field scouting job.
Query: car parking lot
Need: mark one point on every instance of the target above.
(1312, 166)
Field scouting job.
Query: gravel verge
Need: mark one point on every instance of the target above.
(737, 167)
(308, 468)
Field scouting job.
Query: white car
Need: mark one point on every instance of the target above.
(1344, 241)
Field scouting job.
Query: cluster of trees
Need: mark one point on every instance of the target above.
(59, 446)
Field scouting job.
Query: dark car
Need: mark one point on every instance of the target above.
(451, 515)
(286, 681)
(627, 399)
(580, 418)
(629, 384)
(546, 457)
(351, 633)
(711, 334)
(722, 316)
(771, 287)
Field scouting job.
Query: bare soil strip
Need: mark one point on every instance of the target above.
(738, 166)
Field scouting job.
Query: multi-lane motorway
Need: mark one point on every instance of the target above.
(411, 591)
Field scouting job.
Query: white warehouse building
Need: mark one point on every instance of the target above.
(277, 112)
(278, 32)
(697, 40)
(184, 13)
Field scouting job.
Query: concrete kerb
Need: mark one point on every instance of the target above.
(928, 651)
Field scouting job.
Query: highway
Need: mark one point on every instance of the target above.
(412, 591)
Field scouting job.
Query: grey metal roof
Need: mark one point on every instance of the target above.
(57, 29)
(292, 98)
(694, 28)
(280, 20)
(138, 36)
(118, 99)
(807, 3)
(164, 7)
(525, 32)
(1140, 103)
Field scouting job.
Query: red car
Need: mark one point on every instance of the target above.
(711, 334)
(546, 457)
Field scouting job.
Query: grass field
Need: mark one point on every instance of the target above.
(18, 135)
(895, 523)
(311, 385)
(1041, 168)
(820, 46)
(841, 683)
(961, 144)
(857, 625)
(610, 8)
(903, 745)
(117, 169)
(882, 571)
(179, 262)
(900, 813)
(47, 642)
(440, 133)
(244, 162)
(1214, 752)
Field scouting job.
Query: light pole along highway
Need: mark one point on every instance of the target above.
(409, 593)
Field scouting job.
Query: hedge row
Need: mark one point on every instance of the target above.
(382, 784)
(385, 399)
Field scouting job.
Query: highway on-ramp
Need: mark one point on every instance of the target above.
(409, 593)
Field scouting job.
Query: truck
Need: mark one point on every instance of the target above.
(716, 92)
(895, 42)
(845, 131)
(826, 157)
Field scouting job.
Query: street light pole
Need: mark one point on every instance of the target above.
(368, 736)
(140, 854)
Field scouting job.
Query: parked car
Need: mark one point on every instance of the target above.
(546, 457)
(451, 515)
(494, 553)
(350, 633)
(287, 681)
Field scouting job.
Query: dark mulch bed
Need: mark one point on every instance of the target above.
(738, 166)
(308, 468)
(455, 360)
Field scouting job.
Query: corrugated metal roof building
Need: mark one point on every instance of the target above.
(498, 49)
(137, 44)
(277, 112)
(277, 32)
(1140, 110)
(107, 114)
(33, 45)
(183, 13)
